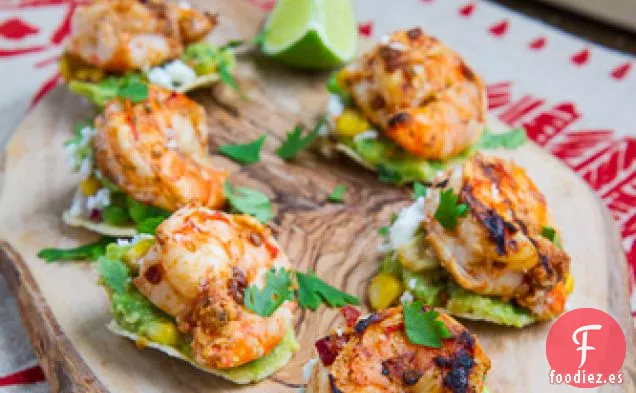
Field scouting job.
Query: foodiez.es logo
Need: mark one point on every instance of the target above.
(586, 348)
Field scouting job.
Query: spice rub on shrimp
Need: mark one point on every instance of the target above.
(375, 356)
(420, 93)
(156, 151)
(197, 272)
(498, 248)
(127, 35)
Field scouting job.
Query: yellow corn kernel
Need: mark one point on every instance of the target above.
(89, 74)
(351, 123)
(65, 68)
(137, 251)
(417, 255)
(569, 284)
(163, 333)
(90, 185)
(384, 290)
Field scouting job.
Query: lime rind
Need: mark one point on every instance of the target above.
(314, 40)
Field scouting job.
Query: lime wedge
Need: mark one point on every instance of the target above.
(311, 34)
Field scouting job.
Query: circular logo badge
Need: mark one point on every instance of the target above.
(585, 348)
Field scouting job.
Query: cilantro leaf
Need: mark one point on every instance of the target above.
(337, 195)
(134, 91)
(419, 190)
(246, 153)
(115, 275)
(511, 139)
(139, 212)
(249, 201)
(551, 234)
(312, 291)
(149, 225)
(448, 210)
(277, 290)
(89, 252)
(383, 231)
(423, 328)
(223, 68)
(295, 141)
(232, 44)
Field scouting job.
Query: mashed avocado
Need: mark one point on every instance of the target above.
(394, 164)
(435, 288)
(137, 318)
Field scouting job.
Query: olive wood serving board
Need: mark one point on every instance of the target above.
(65, 312)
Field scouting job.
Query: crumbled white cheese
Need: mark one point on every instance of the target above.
(406, 297)
(339, 332)
(308, 368)
(406, 224)
(86, 168)
(369, 134)
(160, 77)
(174, 74)
(76, 206)
(71, 155)
(397, 46)
(100, 200)
(335, 106)
(412, 283)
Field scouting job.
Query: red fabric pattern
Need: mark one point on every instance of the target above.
(23, 377)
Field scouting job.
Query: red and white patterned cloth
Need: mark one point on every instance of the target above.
(574, 98)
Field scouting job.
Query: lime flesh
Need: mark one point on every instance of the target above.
(311, 34)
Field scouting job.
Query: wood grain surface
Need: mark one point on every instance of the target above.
(65, 312)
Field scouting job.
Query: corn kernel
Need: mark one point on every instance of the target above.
(569, 284)
(351, 123)
(90, 185)
(163, 333)
(137, 251)
(416, 255)
(384, 290)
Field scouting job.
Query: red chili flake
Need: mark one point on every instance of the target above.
(326, 351)
(393, 328)
(350, 314)
(95, 215)
(153, 274)
(272, 249)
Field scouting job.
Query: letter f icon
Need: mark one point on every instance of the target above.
(583, 344)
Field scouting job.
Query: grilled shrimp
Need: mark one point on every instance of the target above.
(379, 358)
(127, 35)
(420, 93)
(498, 249)
(197, 272)
(156, 151)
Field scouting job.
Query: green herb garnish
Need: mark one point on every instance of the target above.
(249, 201)
(276, 291)
(337, 195)
(551, 234)
(419, 190)
(449, 210)
(89, 252)
(312, 291)
(149, 225)
(383, 231)
(508, 140)
(246, 153)
(334, 87)
(295, 141)
(423, 328)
